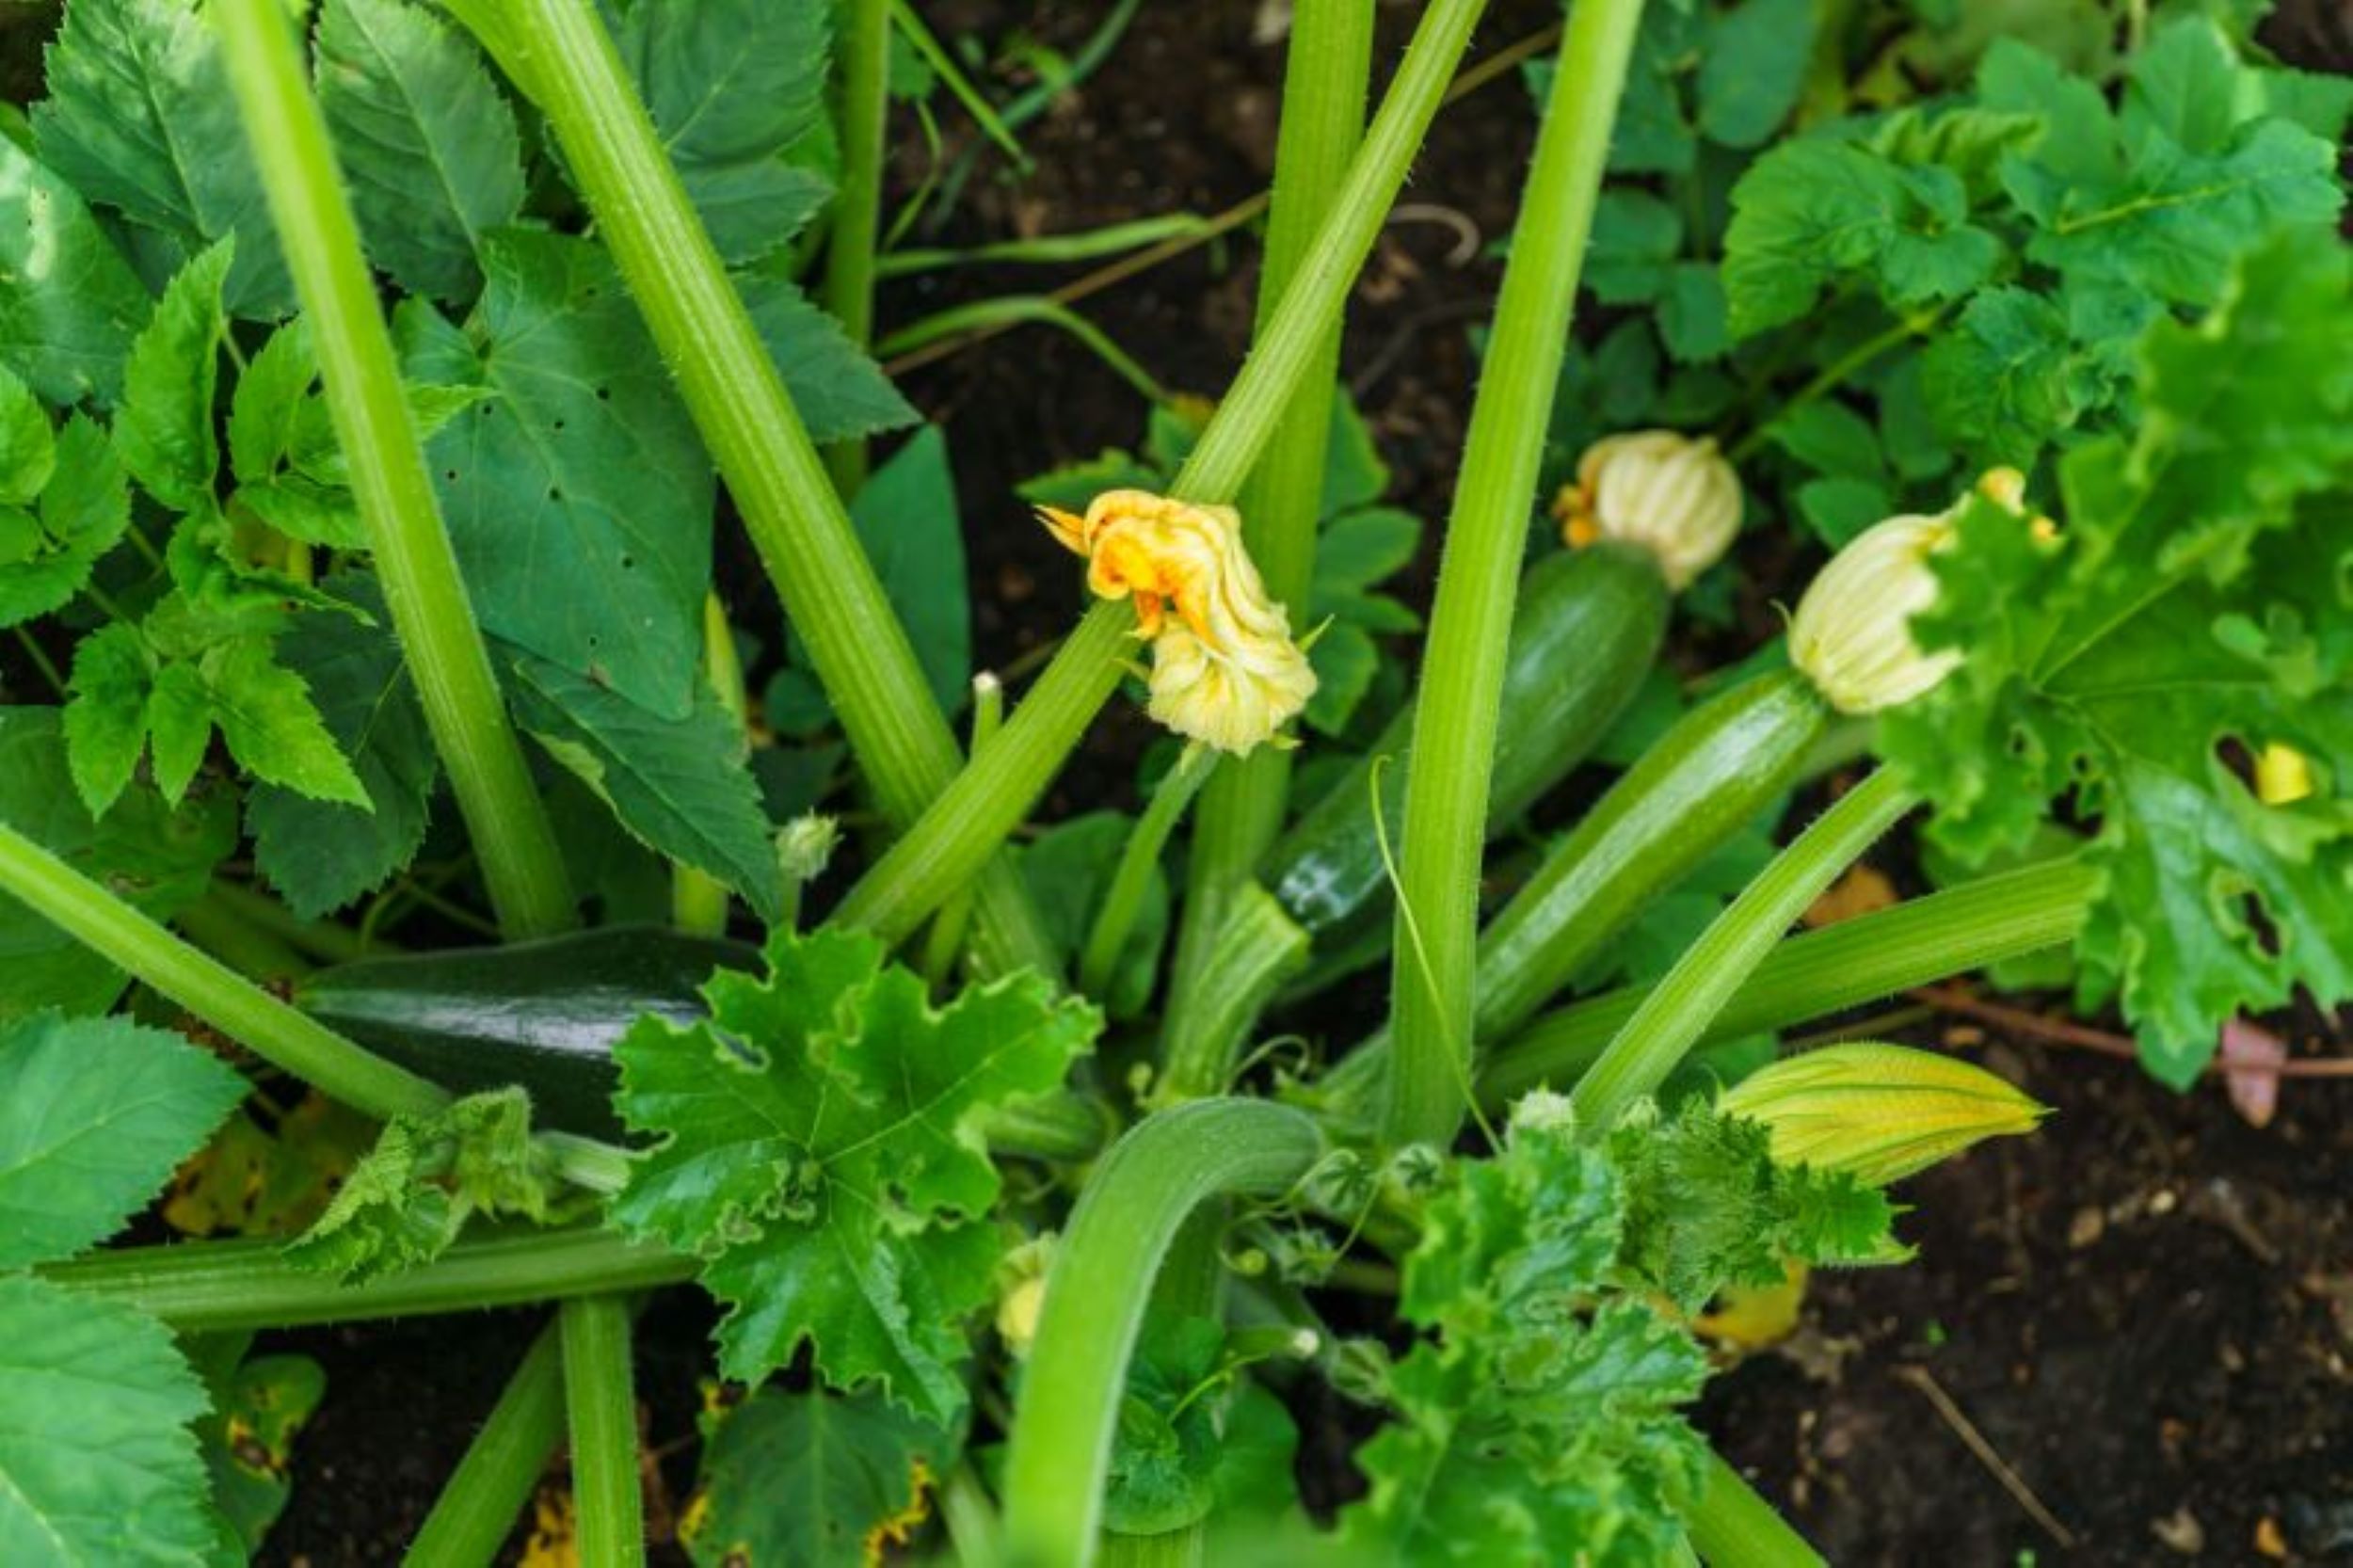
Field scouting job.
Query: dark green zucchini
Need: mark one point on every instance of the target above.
(544, 1014)
(1588, 625)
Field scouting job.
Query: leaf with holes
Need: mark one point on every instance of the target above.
(576, 493)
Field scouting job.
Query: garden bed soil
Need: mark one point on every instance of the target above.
(2144, 1313)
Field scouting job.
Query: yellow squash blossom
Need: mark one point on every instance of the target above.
(1225, 669)
(1671, 494)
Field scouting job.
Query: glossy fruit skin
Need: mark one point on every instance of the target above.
(1701, 781)
(544, 1014)
(1589, 625)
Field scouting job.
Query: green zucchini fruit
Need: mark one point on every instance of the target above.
(1701, 781)
(1710, 774)
(1588, 626)
(544, 1014)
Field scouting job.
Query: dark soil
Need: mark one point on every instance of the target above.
(2145, 1311)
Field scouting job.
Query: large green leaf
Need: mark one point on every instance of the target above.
(905, 516)
(429, 143)
(2190, 605)
(819, 1147)
(97, 1463)
(95, 1115)
(836, 389)
(140, 118)
(577, 494)
(733, 86)
(161, 860)
(321, 855)
(682, 786)
(812, 1480)
(73, 302)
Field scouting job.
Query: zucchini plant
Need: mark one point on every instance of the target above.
(429, 877)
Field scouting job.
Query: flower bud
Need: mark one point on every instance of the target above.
(804, 846)
(2283, 775)
(1225, 669)
(1021, 1292)
(1674, 496)
(1878, 1113)
(1852, 633)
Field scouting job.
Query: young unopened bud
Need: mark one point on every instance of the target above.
(1021, 1292)
(804, 846)
(2283, 775)
(1878, 1113)
(1674, 496)
(1852, 633)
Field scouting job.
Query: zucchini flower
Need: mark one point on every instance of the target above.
(1852, 633)
(1674, 496)
(1878, 1112)
(1225, 669)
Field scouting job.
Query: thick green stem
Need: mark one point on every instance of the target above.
(251, 950)
(862, 67)
(600, 1415)
(1256, 949)
(324, 940)
(1712, 970)
(1138, 859)
(989, 801)
(558, 51)
(202, 1287)
(484, 1496)
(698, 901)
(945, 943)
(1325, 80)
(1731, 1527)
(271, 1030)
(205, 987)
(504, 819)
(1457, 712)
(1842, 966)
(1068, 1408)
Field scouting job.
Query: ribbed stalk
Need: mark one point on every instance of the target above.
(1857, 960)
(1456, 715)
(601, 1416)
(699, 900)
(980, 810)
(1095, 1293)
(1257, 948)
(1138, 858)
(1731, 1527)
(1713, 968)
(862, 67)
(202, 1287)
(505, 822)
(484, 1495)
(558, 52)
(207, 988)
(1326, 76)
